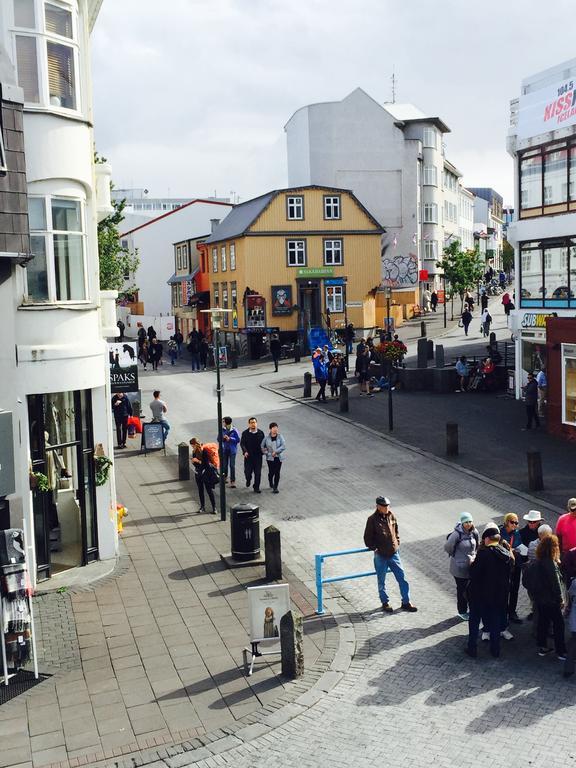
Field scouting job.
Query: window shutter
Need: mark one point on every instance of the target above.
(27, 64)
(61, 75)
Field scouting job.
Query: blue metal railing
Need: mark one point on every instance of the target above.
(319, 560)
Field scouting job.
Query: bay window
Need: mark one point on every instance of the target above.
(430, 213)
(57, 273)
(548, 273)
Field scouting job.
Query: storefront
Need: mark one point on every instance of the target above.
(561, 409)
(64, 502)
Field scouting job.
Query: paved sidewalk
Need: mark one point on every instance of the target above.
(151, 655)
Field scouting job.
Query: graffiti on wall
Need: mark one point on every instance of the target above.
(399, 271)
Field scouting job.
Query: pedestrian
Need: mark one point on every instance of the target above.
(545, 585)
(159, 409)
(321, 373)
(488, 590)
(151, 333)
(155, 353)
(462, 545)
(203, 353)
(465, 320)
(507, 303)
(121, 328)
(363, 368)
(349, 338)
(509, 532)
(571, 619)
(336, 374)
(566, 528)
(484, 301)
(230, 440)
(529, 532)
(463, 371)
(531, 402)
(144, 353)
(141, 337)
(326, 355)
(485, 322)
(382, 537)
(275, 350)
(179, 339)
(205, 463)
(542, 382)
(251, 447)
(273, 447)
(543, 531)
(122, 410)
(172, 350)
(426, 299)
(434, 300)
(194, 349)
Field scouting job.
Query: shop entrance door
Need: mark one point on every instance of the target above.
(62, 450)
(310, 305)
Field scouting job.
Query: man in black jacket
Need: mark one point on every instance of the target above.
(275, 351)
(122, 409)
(251, 447)
(531, 400)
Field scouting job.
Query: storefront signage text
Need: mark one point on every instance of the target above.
(315, 271)
(534, 320)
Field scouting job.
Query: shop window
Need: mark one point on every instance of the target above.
(335, 298)
(531, 278)
(226, 318)
(569, 384)
(556, 290)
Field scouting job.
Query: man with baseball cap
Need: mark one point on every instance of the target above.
(382, 537)
(488, 589)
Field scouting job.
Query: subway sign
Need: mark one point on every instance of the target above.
(534, 320)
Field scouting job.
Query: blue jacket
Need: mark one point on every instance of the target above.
(276, 445)
(230, 446)
(320, 369)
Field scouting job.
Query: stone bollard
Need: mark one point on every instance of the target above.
(422, 328)
(307, 384)
(422, 353)
(492, 339)
(292, 645)
(535, 479)
(297, 353)
(344, 407)
(183, 461)
(430, 349)
(234, 357)
(451, 439)
(440, 361)
(273, 553)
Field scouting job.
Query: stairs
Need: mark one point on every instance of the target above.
(317, 337)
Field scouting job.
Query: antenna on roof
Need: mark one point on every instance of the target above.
(393, 78)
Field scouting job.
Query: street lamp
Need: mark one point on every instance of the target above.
(388, 295)
(444, 279)
(345, 297)
(216, 322)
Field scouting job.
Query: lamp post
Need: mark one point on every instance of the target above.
(388, 295)
(216, 322)
(444, 278)
(344, 284)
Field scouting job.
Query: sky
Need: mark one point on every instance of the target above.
(191, 96)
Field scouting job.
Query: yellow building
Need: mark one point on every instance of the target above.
(281, 260)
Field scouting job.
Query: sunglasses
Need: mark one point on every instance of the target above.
(513, 522)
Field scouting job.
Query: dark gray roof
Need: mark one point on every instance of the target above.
(240, 218)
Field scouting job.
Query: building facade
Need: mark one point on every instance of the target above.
(392, 156)
(190, 285)
(278, 262)
(55, 368)
(489, 218)
(542, 141)
(139, 203)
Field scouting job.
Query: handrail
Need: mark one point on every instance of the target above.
(319, 560)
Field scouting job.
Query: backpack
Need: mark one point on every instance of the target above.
(210, 476)
(460, 537)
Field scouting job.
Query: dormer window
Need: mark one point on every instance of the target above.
(295, 208)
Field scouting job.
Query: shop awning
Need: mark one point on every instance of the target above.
(183, 278)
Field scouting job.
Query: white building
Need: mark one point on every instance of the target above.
(392, 156)
(542, 141)
(489, 220)
(140, 203)
(154, 239)
(55, 378)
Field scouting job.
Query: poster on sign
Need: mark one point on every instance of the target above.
(123, 362)
(281, 299)
(255, 311)
(266, 607)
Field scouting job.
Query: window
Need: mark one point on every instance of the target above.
(27, 65)
(295, 208)
(58, 21)
(333, 252)
(547, 179)
(556, 177)
(429, 138)
(431, 249)
(332, 206)
(430, 213)
(24, 14)
(226, 318)
(223, 258)
(232, 256)
(335, 298)
(61, 80)
(296, 253)
(178, 257)
(174, 296)
(569, 384)
(214, 259)
(234, 300)
(216, 294)
(184, 258)
(548, 273)
(57, 272)
(430, 175)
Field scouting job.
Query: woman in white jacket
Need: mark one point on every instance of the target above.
(273, 446)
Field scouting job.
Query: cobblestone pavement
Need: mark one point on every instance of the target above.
(411, 695)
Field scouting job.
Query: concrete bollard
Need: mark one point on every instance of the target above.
(440, 360)
(451, 439)
(344, 407)
(422, 328)
(422, 353)
(297, 353)
(307, 384)
(292, 645)
(535, 479)
(273, 553)
(492, 339)
(183, 461)
(430, 349)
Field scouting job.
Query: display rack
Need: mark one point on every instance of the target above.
(24, 593)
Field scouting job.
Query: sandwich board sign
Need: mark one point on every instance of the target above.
(152, 437)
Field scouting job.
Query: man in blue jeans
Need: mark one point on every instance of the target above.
(381, 536)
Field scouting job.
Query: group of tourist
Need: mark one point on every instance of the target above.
(329, 368)
(254, 446)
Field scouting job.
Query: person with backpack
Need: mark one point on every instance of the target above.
(485, 322)
(230, 440)
(205, 463)
(461, 545)
(172, 350)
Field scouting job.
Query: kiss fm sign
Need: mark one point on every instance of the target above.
(547, 109)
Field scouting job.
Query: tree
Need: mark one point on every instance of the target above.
(507, 257)
(463, 270)
(115, 261)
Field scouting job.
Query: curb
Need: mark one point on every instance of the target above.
(533, 500)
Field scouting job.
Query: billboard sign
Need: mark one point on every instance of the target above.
(547, 109)
(123, 367)
(281, 299)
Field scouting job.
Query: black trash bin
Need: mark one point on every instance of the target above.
(245, 529)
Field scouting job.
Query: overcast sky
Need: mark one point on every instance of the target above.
(191, 96)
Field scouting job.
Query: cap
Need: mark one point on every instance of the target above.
(571, 503)
(491, 529)
(466, 517)
(533, 516)
(383, 501)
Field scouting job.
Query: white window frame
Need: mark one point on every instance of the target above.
(430, 176)
(223, 265)
(296, 255)
(431, 250)
(232, 258)
(178, 258)
(333, 252)
(426, 142)
(295, 207)
(334, 298)
(215, 259)
(332, 208)
(48, 233)
(431, 208)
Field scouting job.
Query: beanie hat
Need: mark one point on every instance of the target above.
(466, 517)
(490, 530)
